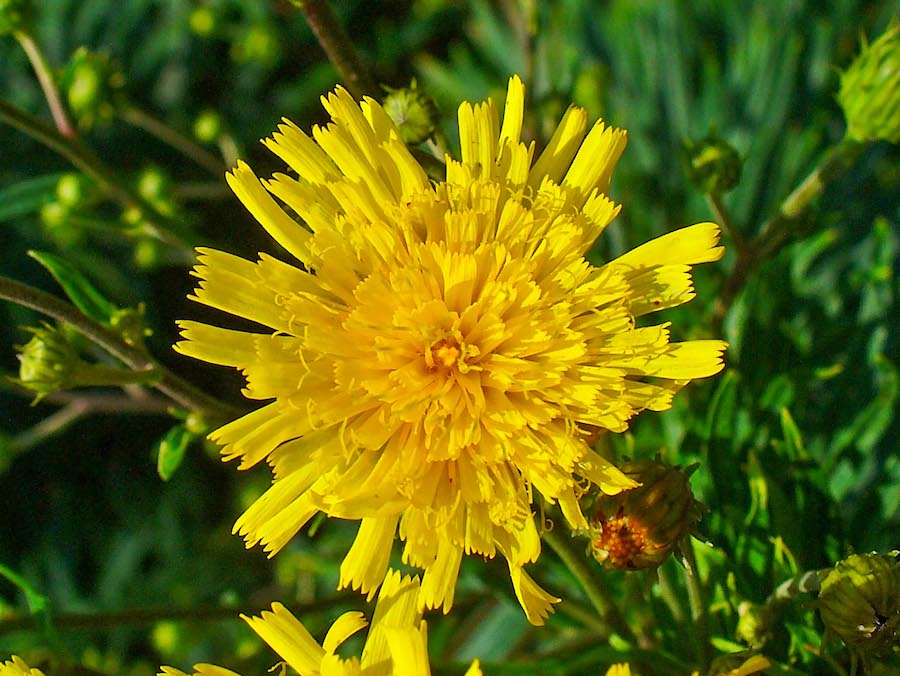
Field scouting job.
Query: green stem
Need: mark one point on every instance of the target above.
(180, 391)
(74, 150)
(597, 594)
(723, 218)
(795, 209)
(175, 139)
(336, 42)
(697, 599)
(48, 84)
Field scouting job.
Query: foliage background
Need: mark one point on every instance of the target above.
(796, 440)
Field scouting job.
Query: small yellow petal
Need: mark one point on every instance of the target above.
(289, 638)
(557, 156)
(283, 229)
(343, 628)
(366, 563)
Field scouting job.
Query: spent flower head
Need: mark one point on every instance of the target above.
(441, 350)
(859, 601)
(641, 526)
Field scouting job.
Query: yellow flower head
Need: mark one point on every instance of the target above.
(395, 646)
(440, 350)
(15, 666)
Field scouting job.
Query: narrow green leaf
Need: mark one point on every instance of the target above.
(26, 197)
(77, 287)
(793, 439)
(171, 449)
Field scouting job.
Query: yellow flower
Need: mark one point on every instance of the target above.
(395, 646)
(15, 666)
(441, 349)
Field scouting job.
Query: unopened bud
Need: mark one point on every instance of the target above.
(859, 601)
(870, 90)
(208, 126)
(48, 362)
(93, 86)
(713, 165)
(639, 527)
(204, 21)
(413, 111)
(15, 15)
(259, 43)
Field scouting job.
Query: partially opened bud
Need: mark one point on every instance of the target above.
(870, 90)
(638, 528)
(860, 602)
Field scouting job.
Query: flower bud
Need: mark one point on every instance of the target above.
(713, 165)
(413, 111)
(870, 90)
(859, 601)
(48, 362)
(93, 86)
(639, 527)
(74, 190)
(259, 43)
(15, 15)
(204, 21)
(208, 126)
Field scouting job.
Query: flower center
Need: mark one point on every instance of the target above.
(443, 354)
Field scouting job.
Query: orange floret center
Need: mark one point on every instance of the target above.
(443, 354)
(622, 540)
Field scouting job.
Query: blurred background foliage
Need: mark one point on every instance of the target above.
(796, 441)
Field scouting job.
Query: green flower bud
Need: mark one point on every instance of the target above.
(131, 324)
(859, 601)
(73, 190)
(870, 90)
(56, 219)
(260, 44)
(93, 87)
(48, 362)
(413, 111)
(204, 21)
(712, 164)
(15, 15)
(208, 126)
(638, 528)
(147, 253)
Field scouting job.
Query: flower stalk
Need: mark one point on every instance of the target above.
(338, 46)
(599, 596)
(48, 84)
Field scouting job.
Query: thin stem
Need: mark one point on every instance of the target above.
(723, 218)
(177, 389)
(74, 150)
(597, 594)
(48, 84)
(174, 138)
(336, 42)
(697, 599)
(777, 232)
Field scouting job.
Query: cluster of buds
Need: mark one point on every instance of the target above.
(859, 602)
(640, 527)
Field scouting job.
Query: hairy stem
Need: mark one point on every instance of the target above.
(598, 595)
(336, 42)
(48, 84)
(177, 389)
(697, 599)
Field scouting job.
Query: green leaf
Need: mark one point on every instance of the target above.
(77, 287)
(793, 439)
(171, 449)
(26, 197)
